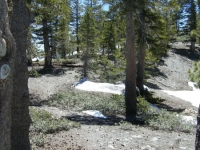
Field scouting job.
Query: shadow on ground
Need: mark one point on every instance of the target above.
(90, 120)
(169, 108)
(52, 71)
(35, 100)
(188, 53)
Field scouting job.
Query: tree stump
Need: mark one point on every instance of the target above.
(197, 142)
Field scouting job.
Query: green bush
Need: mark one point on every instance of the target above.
(142, 105)
(194, 73)
(44, 122)
(79, 100)
(34, 73)
(149, 97)
(164, 120)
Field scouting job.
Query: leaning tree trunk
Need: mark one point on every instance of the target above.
(19, 22)
(48, 59)
(130, 83)
(7, 53)
(197, 142)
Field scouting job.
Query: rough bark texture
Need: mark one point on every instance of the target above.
(48, 59)
(197, 142)
(130, 83)
(141, 53)
(6, 85)
(140, 67)
(19, 22)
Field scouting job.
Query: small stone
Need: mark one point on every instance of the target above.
(123, 144)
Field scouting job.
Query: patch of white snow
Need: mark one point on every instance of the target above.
(190, 96)
(94, 113)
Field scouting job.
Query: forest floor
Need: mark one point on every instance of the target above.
(104, 134)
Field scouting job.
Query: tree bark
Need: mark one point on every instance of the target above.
(130, 83)
(141, 53)
(141, 67)
(19, 22)
(48, 59)
(7, 54)
(197, 142)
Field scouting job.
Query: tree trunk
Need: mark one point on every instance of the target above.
(140, 67)
(77, 29)
(130, 83)
(197, 142)
(7, 55)
(192, 46)
(19, 21)
(48, 59)
(141, 53)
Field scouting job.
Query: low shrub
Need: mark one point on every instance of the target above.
(34, 73)
(79, 100)
(163, 120)
(43, 122)
(149, 97)
(194, 73)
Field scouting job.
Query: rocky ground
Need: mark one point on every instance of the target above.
(99, 134)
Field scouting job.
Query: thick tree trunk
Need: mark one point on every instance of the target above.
(197, 142)
(130, 83)
(7, 54)
(140, 67)
(19, 22)
(48, 59)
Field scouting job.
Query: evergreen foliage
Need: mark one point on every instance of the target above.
(194, 74)
(88, 39)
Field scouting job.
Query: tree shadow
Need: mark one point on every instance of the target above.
(35, 100)
(155, 71)
(152, 86)
(90, 120)
(169, 108)
(188, 53)
(55, 71)
(52, 71)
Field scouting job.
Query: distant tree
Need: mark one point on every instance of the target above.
(48, 13)
(88, 38)
(188, 21)
(75, 23)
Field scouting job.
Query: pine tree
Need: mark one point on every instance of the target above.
(188, 22)
(88, 38)
(75, 22)
(47, 12)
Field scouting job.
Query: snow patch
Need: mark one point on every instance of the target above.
(190, 96)
(95, 113)
(86, 85)
(117, 88)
